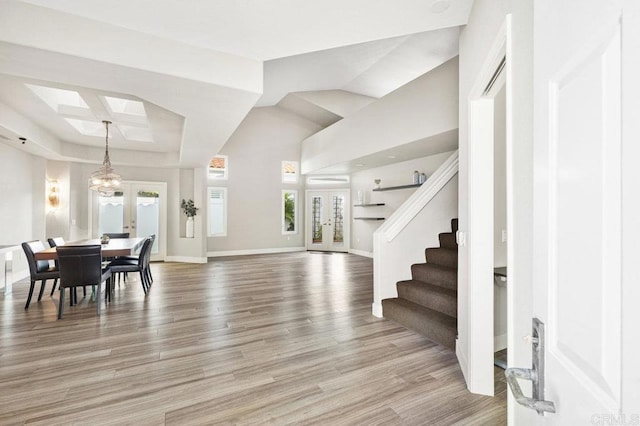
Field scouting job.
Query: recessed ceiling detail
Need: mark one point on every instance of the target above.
(57, 99)
(125, 106)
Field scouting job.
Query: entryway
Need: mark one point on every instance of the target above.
(138, 208)
(328, 220)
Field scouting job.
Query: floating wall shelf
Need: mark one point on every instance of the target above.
(368, 205)
(393, 188)
(368, 218)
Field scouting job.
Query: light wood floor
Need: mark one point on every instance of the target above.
(272, 339)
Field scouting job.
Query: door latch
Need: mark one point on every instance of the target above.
(535, 374)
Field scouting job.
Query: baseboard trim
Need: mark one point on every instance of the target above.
(462, 360)
(255, 251)
(362, 253)
(376, 310)
(499, 342)
(185, 259)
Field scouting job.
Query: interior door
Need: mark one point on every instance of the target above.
(328, 220)
(578, 206)
(139, 208)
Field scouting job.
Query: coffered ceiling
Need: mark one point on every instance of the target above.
(196, 68)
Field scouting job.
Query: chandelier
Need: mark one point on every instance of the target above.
(104, 180)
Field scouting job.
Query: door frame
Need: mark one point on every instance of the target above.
(476, 354)
(162, 247)
(347, 217)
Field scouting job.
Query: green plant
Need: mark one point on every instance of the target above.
(289, 211)
(189, 208)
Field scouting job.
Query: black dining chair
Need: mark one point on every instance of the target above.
(139, 264)
(38, 269)
(54, 242)
(82, 266)
(117, 235)
(148, 266)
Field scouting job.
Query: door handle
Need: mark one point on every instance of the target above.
(125, 227)
(535, 374)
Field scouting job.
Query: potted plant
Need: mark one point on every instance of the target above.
(189, 208)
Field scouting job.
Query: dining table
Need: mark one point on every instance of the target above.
(114, 247)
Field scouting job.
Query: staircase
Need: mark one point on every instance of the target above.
(428, 303)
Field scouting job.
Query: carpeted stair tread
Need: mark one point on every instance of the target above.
(442, 256)
(435, 274)
(434, 325)
(430, 296)
(448, 240)
(454, 225)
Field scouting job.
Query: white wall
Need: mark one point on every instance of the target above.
(499, 178)
(22, 185)
(22, 195)
(391, 175)
(499, 217)
(256, 150)
(476, 40)
(423, 108)
(520, 166)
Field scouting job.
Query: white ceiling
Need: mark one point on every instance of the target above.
(195, 64)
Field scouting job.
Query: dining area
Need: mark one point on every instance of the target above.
(97, 265)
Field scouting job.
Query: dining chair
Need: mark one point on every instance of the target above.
(148, 262)
(135, 265)
(82, 266)
(117, 235)
(38, 269)
(54, 242)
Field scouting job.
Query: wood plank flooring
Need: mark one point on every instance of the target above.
(271, 339)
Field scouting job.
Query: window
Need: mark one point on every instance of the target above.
(327, 180)
(289, 172)
(219, 167)
(289, 211)
(217, 212)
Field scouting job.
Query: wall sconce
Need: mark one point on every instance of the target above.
(52, 194)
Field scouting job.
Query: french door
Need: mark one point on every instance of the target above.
(138, 208)
(327, 224)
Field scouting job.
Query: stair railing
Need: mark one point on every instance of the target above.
(394, 243)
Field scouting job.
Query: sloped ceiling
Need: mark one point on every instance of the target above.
(200, 66)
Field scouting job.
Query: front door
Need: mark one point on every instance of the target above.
(578, 181)
(327, 224)
(138, 208)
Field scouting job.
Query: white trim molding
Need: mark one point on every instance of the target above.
(255, 251)
(185, 259)
(361, 253)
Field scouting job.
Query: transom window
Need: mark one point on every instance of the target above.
(289, 172)
(219, 167)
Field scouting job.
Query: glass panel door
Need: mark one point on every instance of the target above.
(139, 208)
(328, 224)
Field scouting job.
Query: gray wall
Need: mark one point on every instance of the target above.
(256, 150)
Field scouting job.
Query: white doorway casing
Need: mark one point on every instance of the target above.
(475, 345)
(130, 190)
(327, 220)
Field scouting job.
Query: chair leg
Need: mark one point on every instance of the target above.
(98, 301)
(150, 276)
(44, 282)
(84, 290)
(55, 281)
(61, 302)
(33, 285)
(142, 280)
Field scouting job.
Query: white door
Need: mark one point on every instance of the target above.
(327, 220)
(577, 278)
(138, 208)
